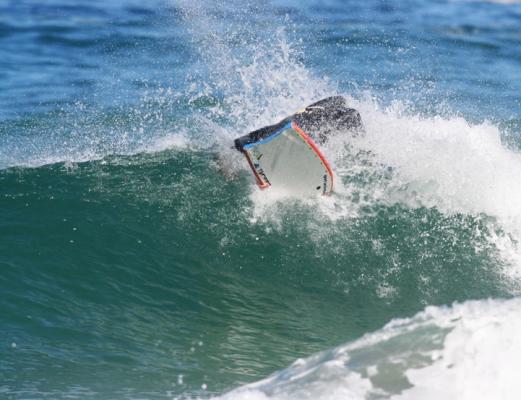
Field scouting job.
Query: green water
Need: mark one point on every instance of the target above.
(124, 274)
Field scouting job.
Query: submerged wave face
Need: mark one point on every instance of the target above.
(139, 260)
(468, 351)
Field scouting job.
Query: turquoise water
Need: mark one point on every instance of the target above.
(139, 260)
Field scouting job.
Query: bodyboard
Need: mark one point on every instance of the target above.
(290, 160)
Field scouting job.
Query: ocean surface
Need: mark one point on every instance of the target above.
(138, 259)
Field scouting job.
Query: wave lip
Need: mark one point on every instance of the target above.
(468, 351)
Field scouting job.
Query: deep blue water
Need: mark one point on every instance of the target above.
(464, 53)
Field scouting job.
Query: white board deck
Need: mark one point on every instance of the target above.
(290, 160)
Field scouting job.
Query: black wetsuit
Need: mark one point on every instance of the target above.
(318, 120)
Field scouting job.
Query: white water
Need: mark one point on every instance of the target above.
(447, 164)
(417, 161)
(467, 351)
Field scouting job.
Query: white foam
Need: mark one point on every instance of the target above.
(467, 351)
(437, 162)
(448, 163)
(452, 165)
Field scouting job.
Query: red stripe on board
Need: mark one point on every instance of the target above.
(260, 182)
(315, 148)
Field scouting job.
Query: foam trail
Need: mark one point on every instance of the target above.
(467, 351)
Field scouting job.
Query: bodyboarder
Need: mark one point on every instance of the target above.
(288, 155)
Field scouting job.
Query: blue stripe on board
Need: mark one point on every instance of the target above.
(269, 138)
